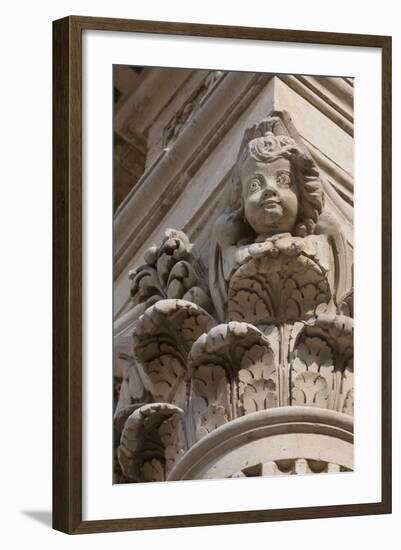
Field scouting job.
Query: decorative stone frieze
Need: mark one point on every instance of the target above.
(187, 111)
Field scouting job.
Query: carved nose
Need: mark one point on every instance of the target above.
(270, 189)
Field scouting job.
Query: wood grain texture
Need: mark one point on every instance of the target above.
(229, 518)
(67, 253)
(386, 274)
(67, 274)
(226, 31)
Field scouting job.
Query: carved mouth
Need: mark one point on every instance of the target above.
(270, 202)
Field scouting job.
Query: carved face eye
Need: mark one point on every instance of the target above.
(254, 185)
(284, 179)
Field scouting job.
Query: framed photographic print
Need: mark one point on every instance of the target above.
(222, 238)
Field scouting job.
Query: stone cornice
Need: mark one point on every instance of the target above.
(335, 101)
(154, 90)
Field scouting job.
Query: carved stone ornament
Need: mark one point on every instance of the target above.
(245, 368)
(183, 117)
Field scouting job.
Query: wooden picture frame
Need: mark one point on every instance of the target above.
(67, 273)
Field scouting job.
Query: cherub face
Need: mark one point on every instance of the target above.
(270, 196)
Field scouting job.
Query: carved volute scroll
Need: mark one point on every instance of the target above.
(268, 329)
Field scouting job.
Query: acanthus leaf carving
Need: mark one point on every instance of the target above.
(174, 439)
(228, 364)
(162, 340)
(275, 286)
(142, 451)
(170, 271)
(258, 380)
(321, 366)
(283, 299)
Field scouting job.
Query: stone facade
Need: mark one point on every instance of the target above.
(233, 290)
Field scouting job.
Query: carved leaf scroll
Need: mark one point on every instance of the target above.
(233, 373)
(258, 380)
(162, 340)
(173, 437)
(321, 367)
(271, 290)
(170, 271)
(144, 440)
(210, 398)
(312, 373)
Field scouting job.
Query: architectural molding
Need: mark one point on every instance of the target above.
(224, 452)
(333, 97)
